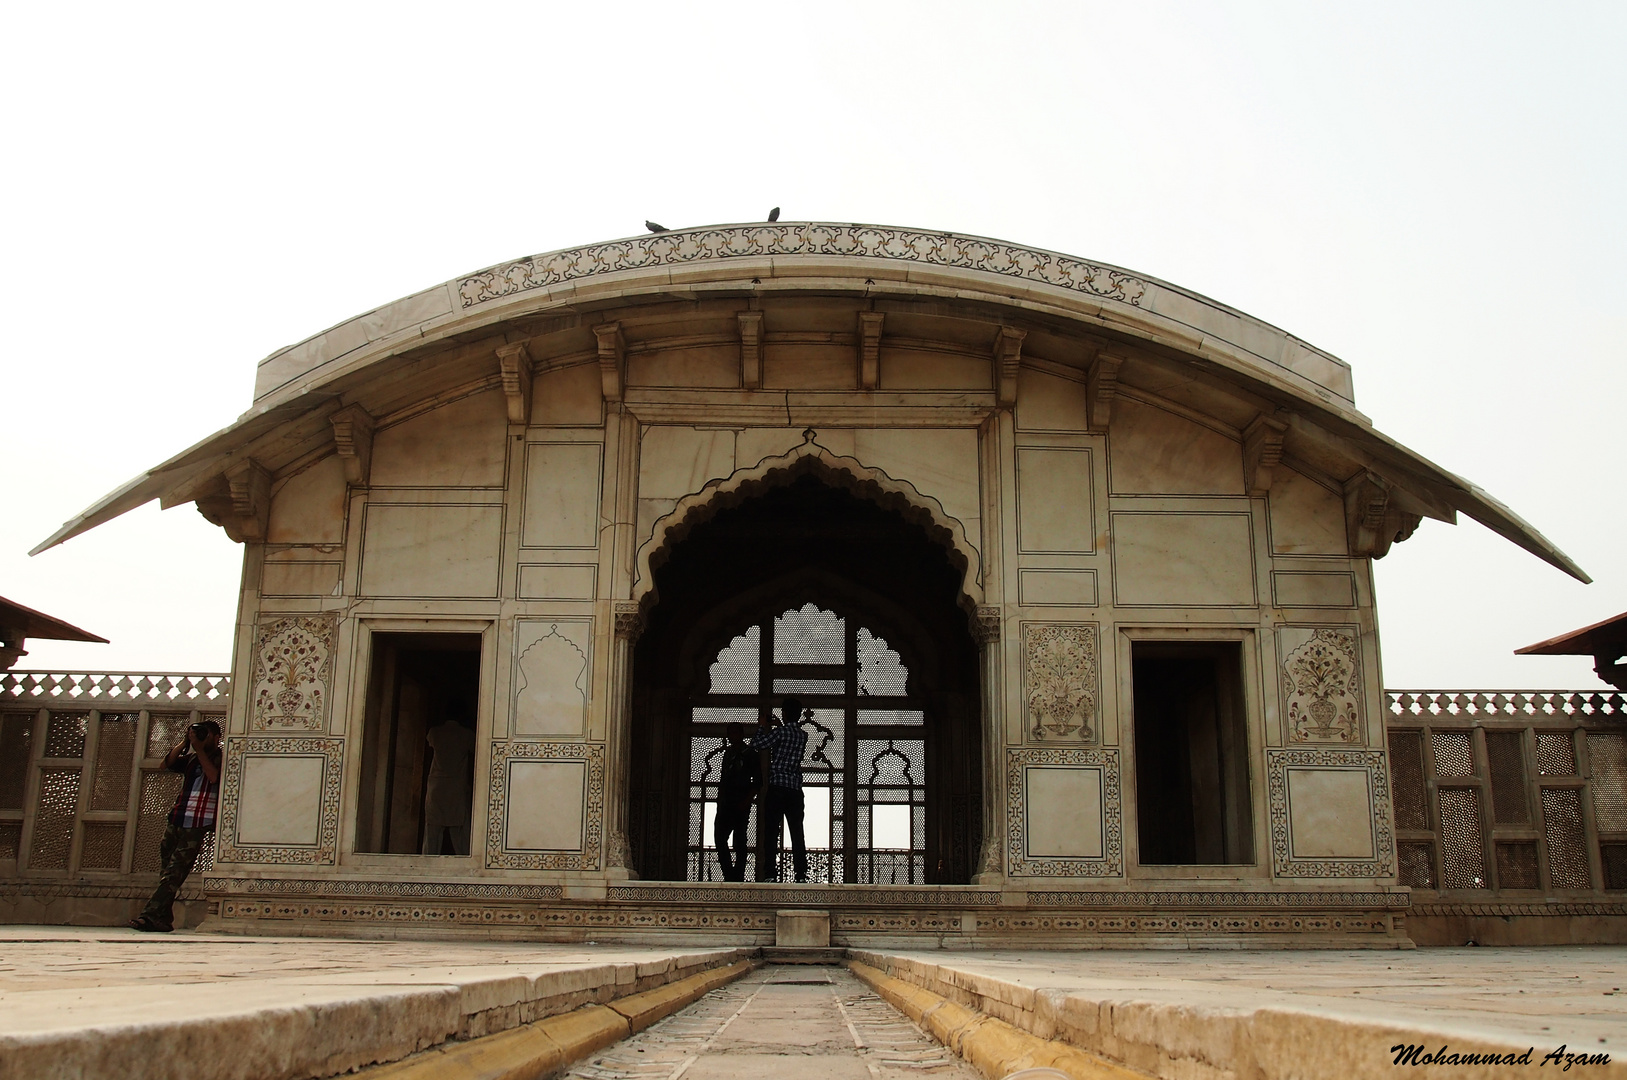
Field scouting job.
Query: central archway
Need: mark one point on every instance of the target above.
(884, 655)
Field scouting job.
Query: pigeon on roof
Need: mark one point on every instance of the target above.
(774, 214)
(653, 227)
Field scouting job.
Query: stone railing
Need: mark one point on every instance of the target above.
(83, 794)
(1514, 802)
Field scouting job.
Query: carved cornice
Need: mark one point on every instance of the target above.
(515, 364)
(353, 439)
(684, 248)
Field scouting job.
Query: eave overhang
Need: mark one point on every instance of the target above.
(297, 388)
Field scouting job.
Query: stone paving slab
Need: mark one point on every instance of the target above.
(1197, 1015)
(196, 1005)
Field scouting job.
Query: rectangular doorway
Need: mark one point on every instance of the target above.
(418, 742)
(1191, 752)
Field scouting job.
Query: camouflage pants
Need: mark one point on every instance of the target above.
(176, 853)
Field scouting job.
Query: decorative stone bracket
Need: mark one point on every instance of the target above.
(1008, 353)
(515, 364)
(1262, 451)
(1101, 387)
(353, 439)
(870, 348)
(244, 506)
(612, 359)
(751, 349)
(1373, 521)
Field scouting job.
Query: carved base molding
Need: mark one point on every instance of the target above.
(1509, 911)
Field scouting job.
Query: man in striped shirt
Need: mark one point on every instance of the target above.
(190, 821)
(785, 741)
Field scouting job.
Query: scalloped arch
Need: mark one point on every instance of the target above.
(864, 481)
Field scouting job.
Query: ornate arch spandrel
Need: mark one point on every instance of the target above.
(809, 458)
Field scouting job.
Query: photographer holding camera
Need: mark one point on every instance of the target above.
(190, 822)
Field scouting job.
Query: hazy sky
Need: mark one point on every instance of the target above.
(1433, 192)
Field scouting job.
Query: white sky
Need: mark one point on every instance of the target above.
(1433, 192)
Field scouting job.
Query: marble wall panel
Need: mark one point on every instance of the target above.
(1154, 452)
(912, 369)
(551, 674)
(1057, 588)
(940, 463)
(1049, 403)
(1313, 589)
(711, 366)
(674, 461)
(568, 397)
(1330, 813)
(574, 581)
(1183, 559)
(1065, 812)
(545, 805)
(462, 444)
(280, 800)
(271, 791)
(1055, 501)
(752, 445)
(1306, 518)
(299, 577)
(546, 808)
(1047, 790)
(562, 485)
(431, 550)
(790, 366)
(309, 506)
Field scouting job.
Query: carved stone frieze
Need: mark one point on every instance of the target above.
(293, 673)
(1321, 685)
(1060, 679)
(685, 247)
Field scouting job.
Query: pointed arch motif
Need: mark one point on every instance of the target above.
(809, 458)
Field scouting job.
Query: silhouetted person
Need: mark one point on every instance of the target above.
(738, 778)
(448, 795)
(785, 741)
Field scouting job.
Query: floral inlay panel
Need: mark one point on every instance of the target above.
(293, 670)
(1321, 685)
(1060, 677)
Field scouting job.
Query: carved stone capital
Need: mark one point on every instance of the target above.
(751, 349)
(629, 620)
(1372, 519)
(1101, 387)
(353, 439)
(1008, 351)
(870, 348)
(612, 359)
(987, 626)
(515, 364)
(1262, 451)
(241, 504)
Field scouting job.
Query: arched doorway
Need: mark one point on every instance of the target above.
(809, 588)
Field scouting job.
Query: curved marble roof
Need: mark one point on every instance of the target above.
(786, 257)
